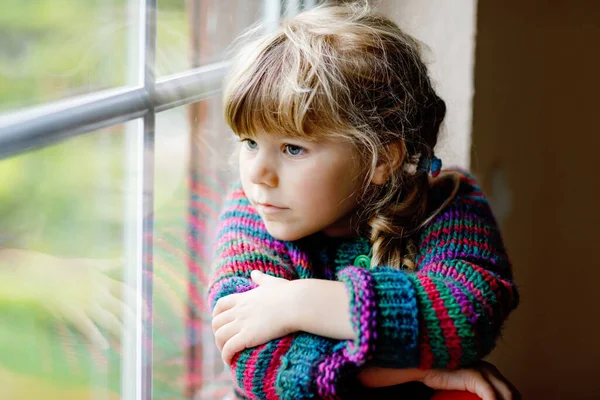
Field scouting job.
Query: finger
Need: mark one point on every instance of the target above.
(87, 327)
(125, 310)
(112, 304)
(107, 320)
(233, 346)
(126, 294)
(220, 320)
(128, 312)
(123, 291)
(225, 333)
(504, 389)
(461, 380)
(259, 277)
(478, 384)
(224, 303)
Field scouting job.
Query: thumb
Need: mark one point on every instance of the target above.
(259, 277)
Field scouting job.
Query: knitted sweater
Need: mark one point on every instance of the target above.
(446, 314)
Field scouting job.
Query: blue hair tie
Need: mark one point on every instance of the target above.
(436, 166)
(431, 166)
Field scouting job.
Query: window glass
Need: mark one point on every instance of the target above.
(53, 49)
(192, 172)
(198, 32)
(62, 299)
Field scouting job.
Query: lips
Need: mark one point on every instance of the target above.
(268, 207)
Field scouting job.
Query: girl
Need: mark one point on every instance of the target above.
(344, 260)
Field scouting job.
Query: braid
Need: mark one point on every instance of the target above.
(400, 212)
(394, 224)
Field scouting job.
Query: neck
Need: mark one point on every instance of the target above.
(349, 226)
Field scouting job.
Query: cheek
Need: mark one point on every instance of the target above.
(323, 189)
(243, 171)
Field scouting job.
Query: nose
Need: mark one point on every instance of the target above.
(263, 171)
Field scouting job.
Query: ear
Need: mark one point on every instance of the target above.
(391, 161)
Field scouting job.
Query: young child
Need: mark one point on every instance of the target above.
(342, 254)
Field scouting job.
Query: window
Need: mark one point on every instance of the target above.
(112, 168)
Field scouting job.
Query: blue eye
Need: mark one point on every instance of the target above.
(293, 150)
(250, 144)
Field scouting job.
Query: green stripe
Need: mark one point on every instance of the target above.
(466, 331)
(485, 332)
(253, 256)
(461, 323)
(436, 338)
(242, 364)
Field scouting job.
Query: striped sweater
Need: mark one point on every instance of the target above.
(446, 314)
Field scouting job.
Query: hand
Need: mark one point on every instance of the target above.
(77, 291)
(483, 379)
(249, 319)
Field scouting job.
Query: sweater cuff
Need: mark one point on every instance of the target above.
(300, 374)
(384, 312)
(363, 312)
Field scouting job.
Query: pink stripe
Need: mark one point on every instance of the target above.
(434, 234)
(444, 270)
(196, 205)
(243, 221)
(446, 323)
(196, 246)
(250, 371)
(426, 355)
(197, 222)
(204, 191)
(181, 255)
(271, 376)
(269, 244)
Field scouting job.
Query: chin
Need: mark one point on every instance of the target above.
(285, 234)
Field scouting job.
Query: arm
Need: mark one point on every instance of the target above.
(285, 368)
(75, 290)
(449, 313)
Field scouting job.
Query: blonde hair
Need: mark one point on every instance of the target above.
(349, 73)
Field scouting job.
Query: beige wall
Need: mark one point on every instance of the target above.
(448, 29)
(536, 141)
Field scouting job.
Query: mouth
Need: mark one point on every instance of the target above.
(270, 208)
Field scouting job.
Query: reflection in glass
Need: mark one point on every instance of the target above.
(192, 174)
(62, 300)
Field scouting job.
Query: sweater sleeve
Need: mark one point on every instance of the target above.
(297, 366)
(449, 312)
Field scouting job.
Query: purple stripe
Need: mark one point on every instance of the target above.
(360, 285)
(446, 271)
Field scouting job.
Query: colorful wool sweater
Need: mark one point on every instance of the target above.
(446, 314)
